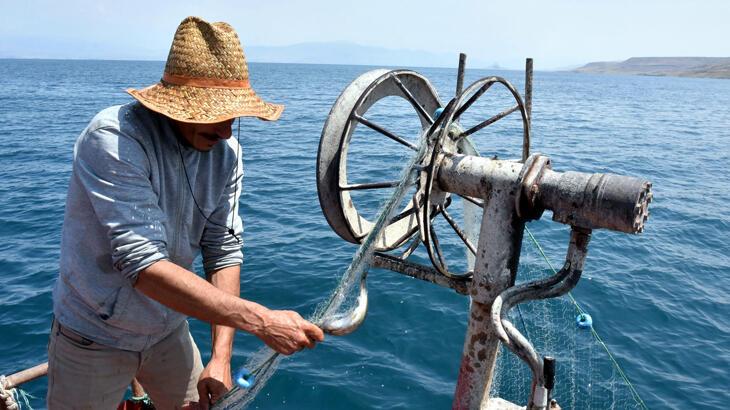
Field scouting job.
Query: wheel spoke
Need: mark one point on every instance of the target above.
(404, 214)
(412, 99)
(364, 121)
(436, 245)
(459, 231)
(471, 100)
(369, 185)
(412, 247)
(473, 201)
(489, 121)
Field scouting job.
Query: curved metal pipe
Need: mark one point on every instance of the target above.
(508, 334)
(347, 323)
(559, 284)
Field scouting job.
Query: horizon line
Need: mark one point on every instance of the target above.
(273, 62)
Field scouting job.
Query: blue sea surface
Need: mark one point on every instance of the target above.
(659, 300)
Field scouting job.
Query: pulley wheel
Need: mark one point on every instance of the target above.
(455, 137)
(348, 113)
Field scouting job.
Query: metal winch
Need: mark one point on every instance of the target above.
(509, 193)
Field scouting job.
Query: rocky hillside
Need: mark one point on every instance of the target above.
(711, 67)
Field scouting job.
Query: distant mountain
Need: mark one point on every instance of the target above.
(350, 53)
(711, 67)
(307, 53)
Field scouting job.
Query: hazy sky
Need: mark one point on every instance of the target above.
(557, 33)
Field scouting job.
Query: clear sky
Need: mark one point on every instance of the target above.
(557, 33)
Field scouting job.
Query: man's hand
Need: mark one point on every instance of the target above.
(286, 332)
(214, 382)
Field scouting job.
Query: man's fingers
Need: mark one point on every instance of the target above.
(314, 332)
(217, 392)
(214, 398)
(286, 350)
(310, 343)
(292, 334)
(203, 395)
(303, 341)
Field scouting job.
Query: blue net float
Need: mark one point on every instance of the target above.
(584, 321)
(244, 378)
(438, 112)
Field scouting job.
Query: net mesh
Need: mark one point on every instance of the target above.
(264, 363)
(586, 375)
(589, 376)
(586, 378)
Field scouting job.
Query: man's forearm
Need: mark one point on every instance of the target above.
(228, 280)
(179, 289)
(187, 293)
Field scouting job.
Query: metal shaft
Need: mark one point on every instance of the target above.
(500, 241)
(590, 201)
(460, 74)
(528, 90)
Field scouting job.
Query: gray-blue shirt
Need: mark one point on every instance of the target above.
(129, 205)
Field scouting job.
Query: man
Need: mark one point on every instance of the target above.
(155, 182)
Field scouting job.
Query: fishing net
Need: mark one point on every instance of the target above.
(587, 374)
(264, 363)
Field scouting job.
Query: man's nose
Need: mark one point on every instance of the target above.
(224, 130)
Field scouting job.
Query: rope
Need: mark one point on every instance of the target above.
(7, 397)
(595, 334)
(144, 400)
(10, 399)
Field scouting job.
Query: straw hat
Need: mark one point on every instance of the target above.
(206, 78)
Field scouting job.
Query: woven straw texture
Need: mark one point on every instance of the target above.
(206, 53)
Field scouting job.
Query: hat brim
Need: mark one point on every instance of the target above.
(205, 105)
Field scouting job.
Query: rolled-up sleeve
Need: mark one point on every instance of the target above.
(114, 170)
(219, 248)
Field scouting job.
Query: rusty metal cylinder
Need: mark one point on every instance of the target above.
(593, 201)
(476, 176)
(590, 201)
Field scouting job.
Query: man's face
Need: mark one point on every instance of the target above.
(203, 137)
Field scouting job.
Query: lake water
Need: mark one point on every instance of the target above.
(659, 300)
